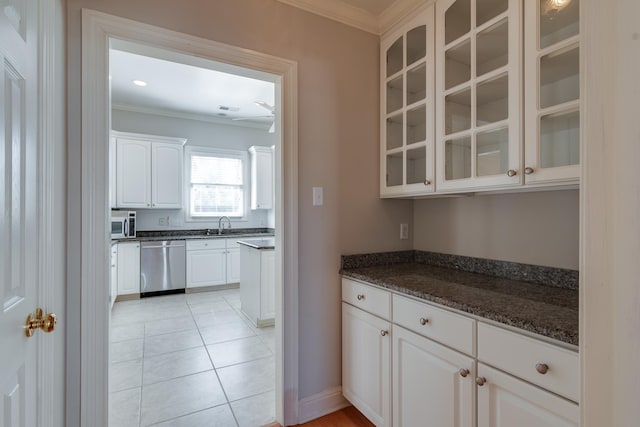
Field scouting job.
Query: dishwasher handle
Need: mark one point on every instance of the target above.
(163, 246)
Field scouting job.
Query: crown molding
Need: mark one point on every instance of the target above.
(339, 11)
(190, 116)
(398, 11)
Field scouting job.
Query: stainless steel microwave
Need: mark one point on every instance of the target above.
(123, 224)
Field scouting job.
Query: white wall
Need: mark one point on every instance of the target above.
(198, 134)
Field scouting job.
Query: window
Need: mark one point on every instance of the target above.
(216, 183)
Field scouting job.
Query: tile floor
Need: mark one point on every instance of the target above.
(190, 360)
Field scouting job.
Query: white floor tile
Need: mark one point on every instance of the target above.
(218, 318)
(176, 364)
(256, 410)
(125, 408)
(248, 379)
(122, 351)
(125, 375)
(167, 326)
(181, 396)
(127, 332)
(167, 343)
(237, 351)
(220, 416)
(226, 332)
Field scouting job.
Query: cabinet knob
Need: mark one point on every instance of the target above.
(384, 333)
(463, 372)
(542, 368)
(427, 182)
(512, 172)
(481, 381)
(360, 297)
(424, 321)
(528, 170)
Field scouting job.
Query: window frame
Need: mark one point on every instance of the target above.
(215, 152)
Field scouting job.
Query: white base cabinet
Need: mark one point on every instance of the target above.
(113, 290)
(257, 285)
(128, 268)
(366, 364)
(211, 263)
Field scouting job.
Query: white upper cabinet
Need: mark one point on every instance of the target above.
(407, 108)
(262, 170)
(148, 171)
(552, 91)
(478, 92)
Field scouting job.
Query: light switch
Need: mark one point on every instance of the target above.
(318, 197)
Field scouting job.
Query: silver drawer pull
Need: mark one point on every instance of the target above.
(384, 333)
(542, 368)
(481, 381)
(360, 297)
(424, 321)
(463, 372)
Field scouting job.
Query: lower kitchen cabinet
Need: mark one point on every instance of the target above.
(128, 268)
(431, 382)
(113, 290)
(206, 263)
(233, 262)
(257, 285)
(366, 364)
(504, 400)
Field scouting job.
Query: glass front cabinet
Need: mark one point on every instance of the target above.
(407, 108)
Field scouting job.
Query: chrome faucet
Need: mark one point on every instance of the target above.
(220, 224)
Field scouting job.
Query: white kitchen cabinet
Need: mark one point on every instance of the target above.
(504, 400)
(206, 263)
(128, 268)
(257, 285)
(478, 94)
(552, 92)
(262, 169)
(431, 382)
(112, 173)
(407, 107)
(148, 171)
(113, 291)
(366, 364)
(233, 261)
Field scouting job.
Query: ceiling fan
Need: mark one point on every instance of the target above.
(271, 114)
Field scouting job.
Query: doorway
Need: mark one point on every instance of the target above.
(99, 29)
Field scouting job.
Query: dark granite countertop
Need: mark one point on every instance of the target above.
(261, 244)
(240, 233)
(546, 310)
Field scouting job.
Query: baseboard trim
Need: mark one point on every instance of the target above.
(321, 404)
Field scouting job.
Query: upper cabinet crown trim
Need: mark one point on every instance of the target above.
(147, 137)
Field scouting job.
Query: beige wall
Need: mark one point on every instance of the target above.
(538, 228)
(338, 144)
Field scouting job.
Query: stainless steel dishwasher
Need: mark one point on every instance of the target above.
(162, 267)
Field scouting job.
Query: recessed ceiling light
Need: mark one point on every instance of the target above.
(140, 83)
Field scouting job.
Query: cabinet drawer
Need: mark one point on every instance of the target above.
(195, 245)
(233, 243)
(448, 328)
(367, 298)
(519, 355)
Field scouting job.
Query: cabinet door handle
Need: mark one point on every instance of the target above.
(528, 170)
(512, 172)
(481, 381)
(424, 321)
(384, 333)
(463, 372)
(360, 297)
(427, 182)
(542, 368)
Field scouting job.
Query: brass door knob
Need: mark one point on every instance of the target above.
(39, 321)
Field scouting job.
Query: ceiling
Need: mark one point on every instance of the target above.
(183, 90)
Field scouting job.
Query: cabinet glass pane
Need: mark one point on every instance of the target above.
(492, 152)
(559, 77)
(416, 125)
(457, 158)
(416, 84)
(394, 58)
(394, 131)
(559, 20)
(457, 20)
(492, 100)
(487, 9)
(394, 94)
(416, 44)
(492, 48)
(457, 111)
(394, 169)
(457, 64)
(416, 165)
(560, 139)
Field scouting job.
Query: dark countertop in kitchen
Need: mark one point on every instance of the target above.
(261, 244)
(546, 310)
(239, 233)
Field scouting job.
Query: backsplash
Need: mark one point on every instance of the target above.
(202, 232)
(549, 276)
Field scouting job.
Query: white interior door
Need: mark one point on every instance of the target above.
(18, 203)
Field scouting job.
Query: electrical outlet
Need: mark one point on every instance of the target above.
(162, 221)
(404, 231)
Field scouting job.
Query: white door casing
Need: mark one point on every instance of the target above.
(97, 30)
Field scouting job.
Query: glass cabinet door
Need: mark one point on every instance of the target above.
(407, 74)
(552, 90)
(478, 129)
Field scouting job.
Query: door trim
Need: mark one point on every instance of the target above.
(97, 30)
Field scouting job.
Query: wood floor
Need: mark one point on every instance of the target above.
(347, 417)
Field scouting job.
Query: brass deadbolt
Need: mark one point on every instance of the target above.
(39, 321)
